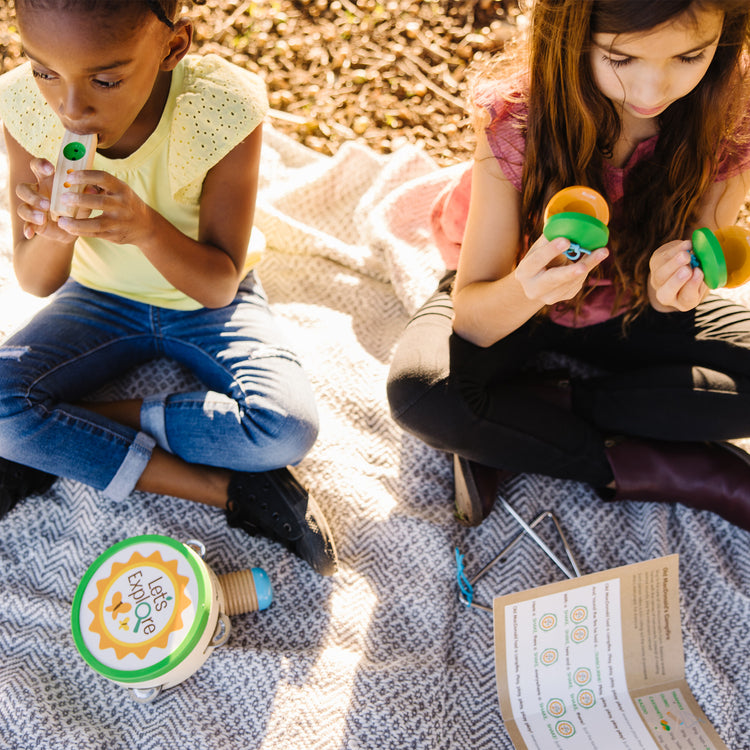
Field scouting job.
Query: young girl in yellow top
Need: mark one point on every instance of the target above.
(155, 264)
(647, 103)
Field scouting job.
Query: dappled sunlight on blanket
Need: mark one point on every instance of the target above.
(383, 655)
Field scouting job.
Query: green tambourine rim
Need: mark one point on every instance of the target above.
(711, 257)
(189, 642)
(587, 231)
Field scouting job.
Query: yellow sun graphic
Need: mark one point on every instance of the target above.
(157, 597)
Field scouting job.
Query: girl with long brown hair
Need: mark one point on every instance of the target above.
(648, 104)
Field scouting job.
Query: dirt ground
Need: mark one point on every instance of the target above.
(385, 71)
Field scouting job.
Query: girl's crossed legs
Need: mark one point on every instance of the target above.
(257, 414)
(672, 377)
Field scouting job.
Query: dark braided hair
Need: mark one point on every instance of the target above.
(164, 10)
(158, 10)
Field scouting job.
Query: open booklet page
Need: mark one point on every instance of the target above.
(597, 662)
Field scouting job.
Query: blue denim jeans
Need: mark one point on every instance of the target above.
(256, 413)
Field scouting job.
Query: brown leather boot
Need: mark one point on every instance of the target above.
(707, 476)
(475, 489)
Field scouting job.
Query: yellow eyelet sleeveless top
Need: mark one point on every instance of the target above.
(212, 106)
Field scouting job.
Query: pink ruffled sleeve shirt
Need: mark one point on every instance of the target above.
(506, 137)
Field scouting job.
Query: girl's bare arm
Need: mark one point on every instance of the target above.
(723, 202)
(493, 297)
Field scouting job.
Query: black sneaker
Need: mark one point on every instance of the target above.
(275, 505)
(18, 482)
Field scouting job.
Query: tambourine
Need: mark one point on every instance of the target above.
(148, 612)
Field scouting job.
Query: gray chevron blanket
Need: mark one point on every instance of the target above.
(383, 655)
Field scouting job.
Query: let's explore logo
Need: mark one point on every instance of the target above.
(138, 605)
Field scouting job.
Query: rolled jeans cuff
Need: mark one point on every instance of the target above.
(153, 419)
(124, 481)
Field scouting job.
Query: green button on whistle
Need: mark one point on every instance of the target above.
(74, 151)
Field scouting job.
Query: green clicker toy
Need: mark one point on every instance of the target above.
(580, 214)
(723, 256)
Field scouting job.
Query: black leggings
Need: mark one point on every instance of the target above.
(672, 376)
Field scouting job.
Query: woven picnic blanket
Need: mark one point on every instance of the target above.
(382, 655)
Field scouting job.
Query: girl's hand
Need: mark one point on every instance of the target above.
(545, 275)
(672, 284)
(122, 217)
(35, 204)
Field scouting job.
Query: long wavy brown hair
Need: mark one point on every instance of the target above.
(571, 128)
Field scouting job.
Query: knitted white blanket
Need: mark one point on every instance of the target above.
(382, 655)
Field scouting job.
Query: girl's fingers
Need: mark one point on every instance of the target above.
(673, 290)
(563, 276)
(32, 215)
(84, 227)
(76, 227)
(41, 168)
(670, 261)
(546, 276)
(576, 269)
(692, 292)
(29, 196)
(102, 180)
(543, 252)
(592, 260)
(84, 201)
